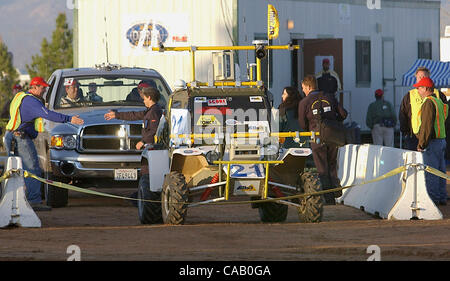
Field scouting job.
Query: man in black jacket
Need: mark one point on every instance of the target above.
(317, 105)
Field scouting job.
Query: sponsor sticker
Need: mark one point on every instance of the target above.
(216, 102)
(206, 120)
(200, 99)
(246, 187)
(256, 99)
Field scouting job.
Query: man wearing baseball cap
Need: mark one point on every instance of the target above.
(27, 111)
(381, 120)
(409, 109)
(136, 93)
(431, 136)
(328, 80)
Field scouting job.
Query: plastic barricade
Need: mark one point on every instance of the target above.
(402, 196)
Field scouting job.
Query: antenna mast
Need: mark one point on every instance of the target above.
(106, 42)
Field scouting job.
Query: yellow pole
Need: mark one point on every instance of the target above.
(266, 181)
(193, 64)
(258, 69)
(224, 48)
(227, 186)
(248, 135)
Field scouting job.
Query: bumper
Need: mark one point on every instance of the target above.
(74, 165)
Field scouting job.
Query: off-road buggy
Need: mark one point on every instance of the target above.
(215, 143)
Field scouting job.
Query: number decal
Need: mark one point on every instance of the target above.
(257, 170)
(236, 173)
(242, 171)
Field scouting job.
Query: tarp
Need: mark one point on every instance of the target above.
(440, 73)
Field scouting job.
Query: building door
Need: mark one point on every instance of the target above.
(389, 73)
(315, 49)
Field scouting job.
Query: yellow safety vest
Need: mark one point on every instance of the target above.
(14, 111)
(441, 115)
(416, 102)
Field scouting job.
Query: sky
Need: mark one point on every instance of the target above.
(24, 23)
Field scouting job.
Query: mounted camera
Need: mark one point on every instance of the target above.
(260, 48)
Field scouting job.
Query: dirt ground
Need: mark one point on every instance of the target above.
(109, 230)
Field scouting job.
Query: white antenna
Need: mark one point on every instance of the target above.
(106, 41)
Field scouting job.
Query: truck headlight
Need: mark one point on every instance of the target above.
(63, 142)
(70, 142)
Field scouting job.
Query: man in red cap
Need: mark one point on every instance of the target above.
(26, 111)
(136, 93)
(431, 137)
(381, 120)
(409, 109)
(328, 80)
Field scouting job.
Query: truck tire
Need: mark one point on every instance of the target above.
(311, 207)
(56, 197)
(149, 212)
(174, 198)
(272, 212)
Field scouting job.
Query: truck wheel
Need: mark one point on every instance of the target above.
(311, 207)
(149, 212)
(272, 212)
(174, 198)
(56, 197)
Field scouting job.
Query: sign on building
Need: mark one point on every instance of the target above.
(141, 32)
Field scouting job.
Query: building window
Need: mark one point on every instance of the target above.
(363, 65)
(424, 50)
(268, 60)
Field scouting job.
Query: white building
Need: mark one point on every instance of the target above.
(372, 42)
(445, 45)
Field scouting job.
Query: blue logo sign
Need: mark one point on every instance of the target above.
(135, 32)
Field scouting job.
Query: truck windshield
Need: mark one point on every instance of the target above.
(101, 91)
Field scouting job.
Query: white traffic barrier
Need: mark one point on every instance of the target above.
(400, 197)
(14, 207)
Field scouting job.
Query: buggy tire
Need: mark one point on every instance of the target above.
(272, 212)
(149, 212)
(56, 197)
(174, 198)
(311, 207)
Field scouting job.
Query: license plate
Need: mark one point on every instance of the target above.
(125, 174)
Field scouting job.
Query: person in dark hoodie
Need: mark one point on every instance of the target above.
(151, 117)
(288, 110)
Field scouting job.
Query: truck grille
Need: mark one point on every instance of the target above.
(110, 137)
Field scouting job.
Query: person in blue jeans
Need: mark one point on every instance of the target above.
(26, 111)
(431, 139)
